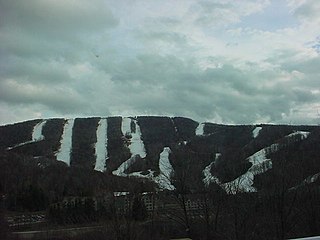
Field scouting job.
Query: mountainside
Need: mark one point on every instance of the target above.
(160, 150)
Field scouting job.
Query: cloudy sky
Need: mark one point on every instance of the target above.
(225, 61)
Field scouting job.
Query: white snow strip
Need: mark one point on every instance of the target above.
(36, 135)
(200, 129)
(256, 132)
(166, 170)
(37, 131)
(208, 177)
(126, 126)
(101, 146)
(66, 143)
(164, 163)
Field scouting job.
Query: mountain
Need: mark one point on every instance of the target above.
(168, 176)
(159, 150)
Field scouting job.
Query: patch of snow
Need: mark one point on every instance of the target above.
(165, 167)
(37, 131)
(256, 131)
(66, 143)
(140, 175)
(200, 129)
(208, 177)
(164, 162)
(312, 178)
(306, 238)
(120, 171)
(126, 126)
(37, 135)
(136, 144)
(118, 194)
(183, 143)
(303, 134)
(101, 146)
(166, 170)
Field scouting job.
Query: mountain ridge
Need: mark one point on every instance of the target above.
(133, 146)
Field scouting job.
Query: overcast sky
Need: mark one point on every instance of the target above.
(225, 61)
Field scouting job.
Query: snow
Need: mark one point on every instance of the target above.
(120, 171)
(136, 144)
(256, 132)
(164, 163)
(118, 194)
(166, 170)
(37, 131)
(66, 143)
(126, 126)
(165, 167)
(208, 177)
(260, 164)
(101, 146)
(36, 134)
(200, 129)
(245, 181)
(312, 178)
(183, 143)
(303, 134)
(259, 160)
(140, 175)
(307, 238)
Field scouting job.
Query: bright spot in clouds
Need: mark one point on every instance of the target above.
(216, 60)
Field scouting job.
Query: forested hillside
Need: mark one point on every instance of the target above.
(44, 161)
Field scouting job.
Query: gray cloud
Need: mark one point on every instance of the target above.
(56, 19)
(62, 58)
(308, 11)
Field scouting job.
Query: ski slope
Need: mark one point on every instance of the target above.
(64, 153)
(101, 151)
